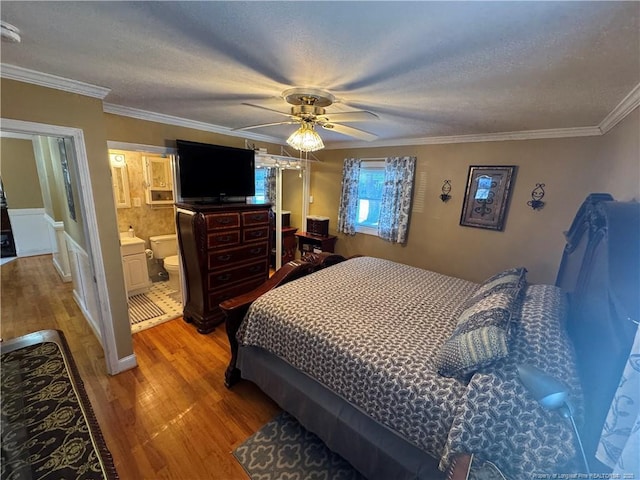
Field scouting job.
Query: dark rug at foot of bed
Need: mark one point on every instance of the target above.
(48, 426)
(284, 449)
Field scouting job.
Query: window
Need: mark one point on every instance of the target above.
(370, 184)
(376, 197)
(260, 177)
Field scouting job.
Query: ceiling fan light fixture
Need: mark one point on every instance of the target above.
(306, 139)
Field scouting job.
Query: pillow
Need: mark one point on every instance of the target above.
(512, 278)
(480, 336)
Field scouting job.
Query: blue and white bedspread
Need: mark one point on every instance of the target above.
(369, 329)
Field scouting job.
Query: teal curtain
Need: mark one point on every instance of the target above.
(349, 198)
(395, 207)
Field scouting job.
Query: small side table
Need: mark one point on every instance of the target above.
(310, 243)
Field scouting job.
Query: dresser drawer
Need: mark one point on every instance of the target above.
(219, 279)
(219, 296)
(259, 217)
(224, 258)
(216, 221)
(255, 234)
(223, 239)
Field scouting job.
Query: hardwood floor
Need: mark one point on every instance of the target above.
(171, 417)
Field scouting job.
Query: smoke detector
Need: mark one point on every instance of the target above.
(9, 33)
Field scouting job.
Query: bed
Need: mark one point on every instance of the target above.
(407, 373)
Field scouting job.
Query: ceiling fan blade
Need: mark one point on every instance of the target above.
(354, 116)
(268, 109)
(350, 131)
(250, 127)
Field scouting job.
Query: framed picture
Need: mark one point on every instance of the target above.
(487, 196)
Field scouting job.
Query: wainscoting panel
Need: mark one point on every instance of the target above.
(30, 231)
(84, 288)
(57, 238)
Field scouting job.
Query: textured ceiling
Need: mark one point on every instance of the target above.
(426, 69)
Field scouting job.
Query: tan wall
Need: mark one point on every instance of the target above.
(292, 197)
(620, 161)
(19, 174)
(22, 101)
(570, 168)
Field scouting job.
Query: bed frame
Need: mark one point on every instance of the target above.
(599, 272)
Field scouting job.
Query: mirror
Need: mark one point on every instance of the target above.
(120, 180)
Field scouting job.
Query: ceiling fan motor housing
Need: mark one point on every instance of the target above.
(307, 112)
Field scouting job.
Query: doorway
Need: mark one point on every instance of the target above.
(143, 184)
(94, 284)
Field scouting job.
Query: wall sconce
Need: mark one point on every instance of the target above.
(446, 189)
(537, 194)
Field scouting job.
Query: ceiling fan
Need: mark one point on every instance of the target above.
(308, 109)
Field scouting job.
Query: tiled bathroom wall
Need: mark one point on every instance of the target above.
(147, 220)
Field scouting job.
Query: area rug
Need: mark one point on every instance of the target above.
(165, 300)
(49, 429)
(142, 308)
(284, 449)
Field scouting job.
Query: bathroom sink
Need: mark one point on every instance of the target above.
(130, 245)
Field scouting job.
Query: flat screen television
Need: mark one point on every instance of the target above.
(214, 173)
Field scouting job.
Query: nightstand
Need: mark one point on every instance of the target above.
(310, 243)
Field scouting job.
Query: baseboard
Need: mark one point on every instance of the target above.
(33, 253)
(127, 363)
(66, 277)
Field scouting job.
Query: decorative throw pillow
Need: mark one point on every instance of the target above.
(512, 278)
(481, 335)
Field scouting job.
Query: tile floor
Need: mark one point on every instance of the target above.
(167, 299)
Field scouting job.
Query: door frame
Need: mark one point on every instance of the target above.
(88, 211)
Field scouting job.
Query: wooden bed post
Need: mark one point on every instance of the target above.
(236, 308)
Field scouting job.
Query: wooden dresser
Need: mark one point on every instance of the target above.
(225, 252)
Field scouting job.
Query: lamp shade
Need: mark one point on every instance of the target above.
(548, 391)
(305, 139)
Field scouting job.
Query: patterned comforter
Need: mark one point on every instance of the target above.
(369, 330)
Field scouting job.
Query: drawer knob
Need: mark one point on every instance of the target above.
(224, 258)
(224, 278)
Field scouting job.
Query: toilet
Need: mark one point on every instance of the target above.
(165, 248)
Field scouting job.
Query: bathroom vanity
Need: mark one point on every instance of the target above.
(134, 264)
(225, 253)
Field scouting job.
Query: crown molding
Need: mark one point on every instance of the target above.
(184, 122)
(141, 147)
(13, 72)
(624, 108)
(483, 137)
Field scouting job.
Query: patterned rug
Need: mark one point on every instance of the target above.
(142, 308)
(48, 426)
(284, 449)
(164, 299)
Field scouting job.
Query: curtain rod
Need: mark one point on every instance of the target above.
(373, 158)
